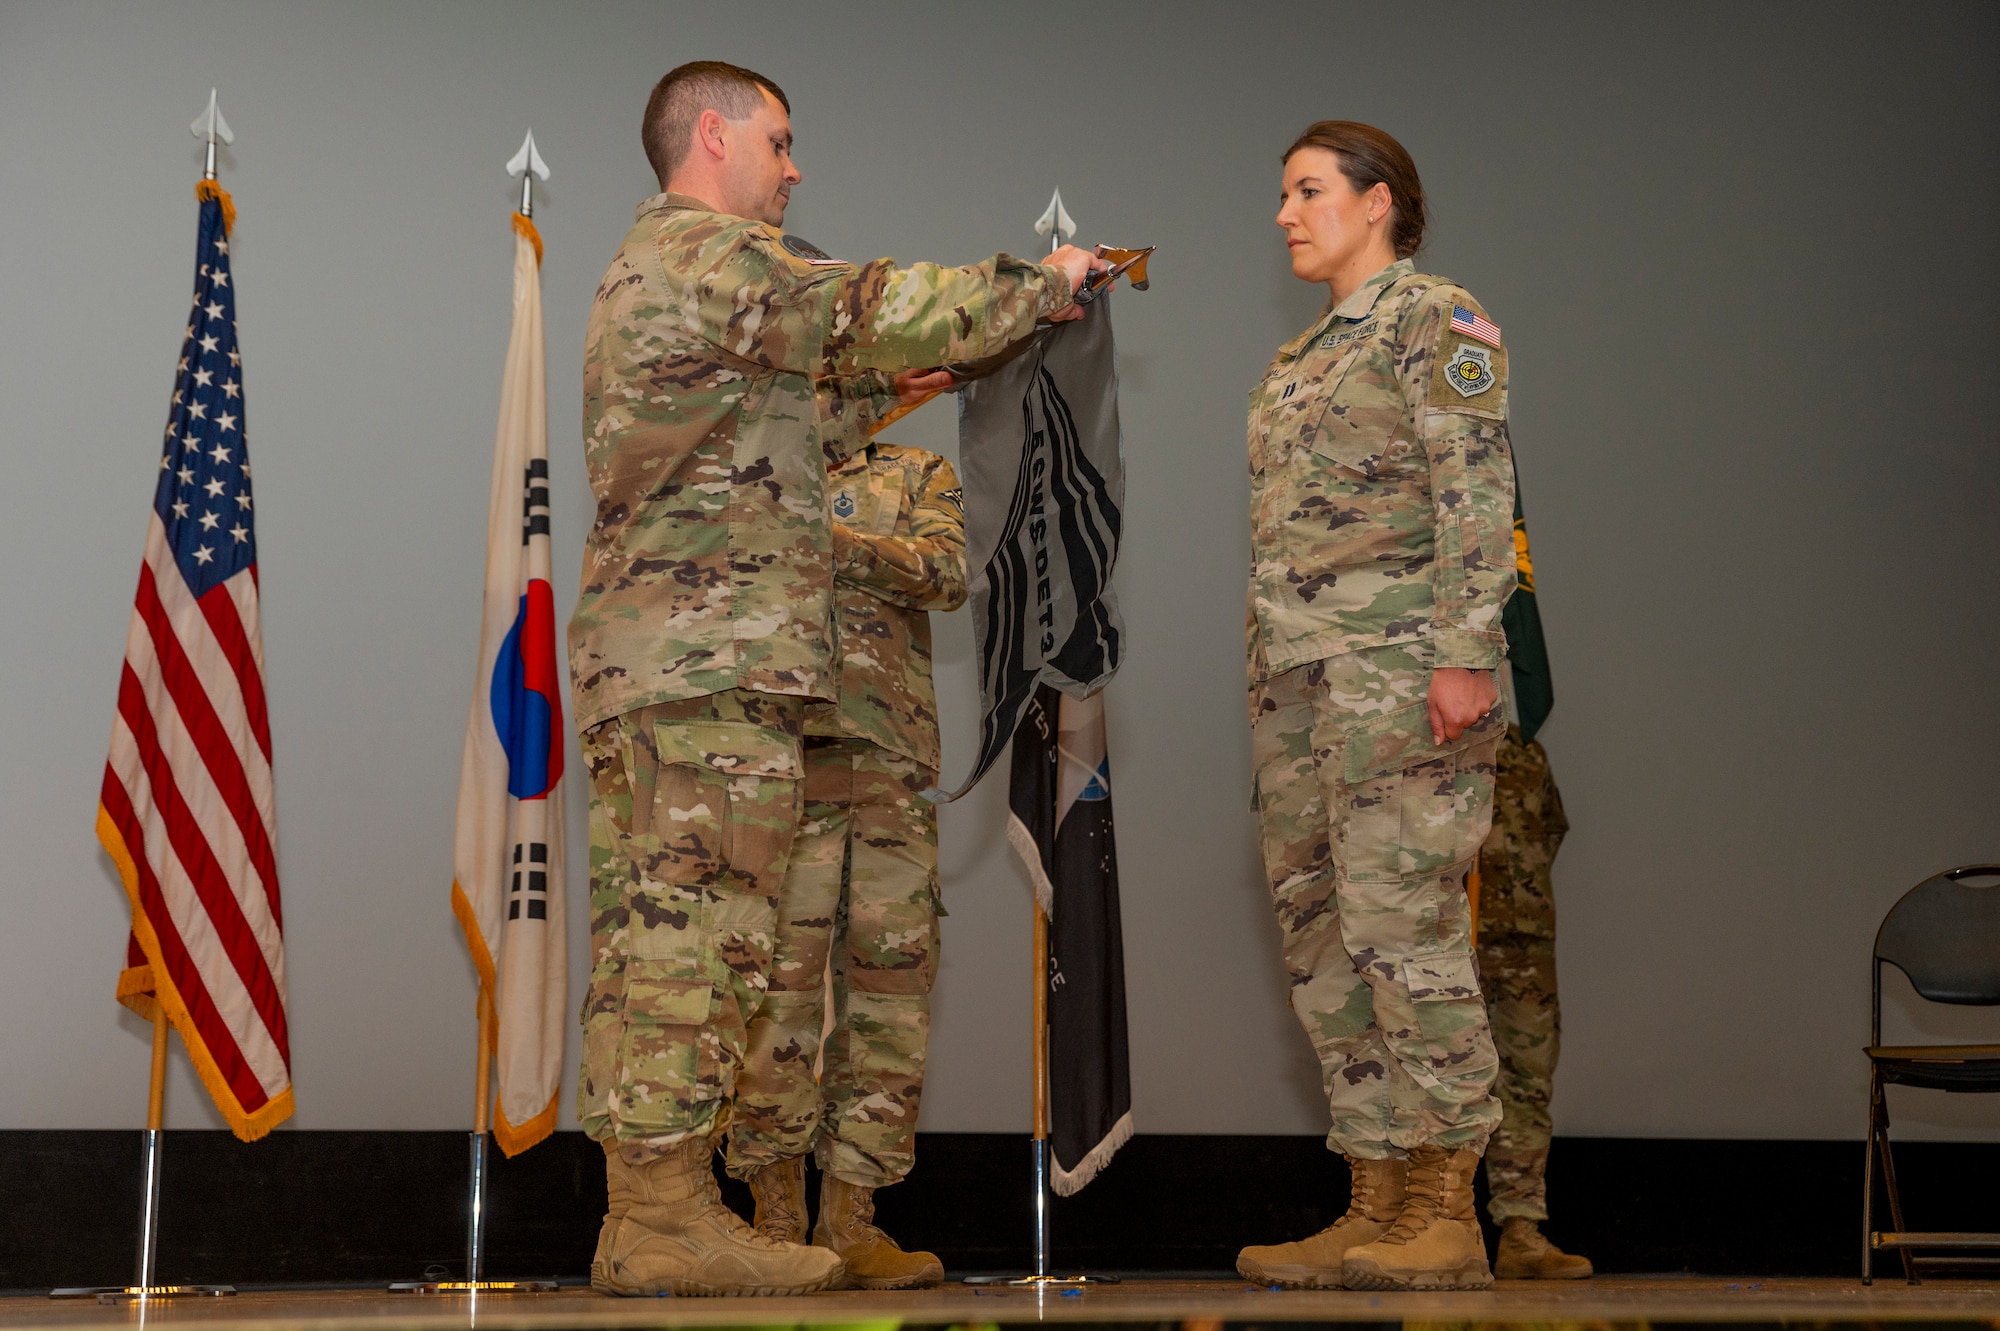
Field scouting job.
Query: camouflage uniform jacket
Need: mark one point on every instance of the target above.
(1381, 481)
(898, 553)
(724, 365)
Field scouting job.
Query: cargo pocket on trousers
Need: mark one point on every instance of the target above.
(1413, 808)
(665, 1068)
(720, 754)
(1444, 992)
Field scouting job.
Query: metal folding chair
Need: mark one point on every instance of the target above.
(1944, 935)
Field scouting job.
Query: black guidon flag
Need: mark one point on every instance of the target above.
(1060, 801)
(1042, 462)
(1527, 652)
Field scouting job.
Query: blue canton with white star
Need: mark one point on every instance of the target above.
(204, 495)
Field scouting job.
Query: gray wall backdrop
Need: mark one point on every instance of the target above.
(1744, 256)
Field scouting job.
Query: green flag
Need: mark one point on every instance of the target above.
(1527, 653)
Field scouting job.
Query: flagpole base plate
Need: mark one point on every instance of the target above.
(1043, 1282)
(473, 1287)
(117, 1293)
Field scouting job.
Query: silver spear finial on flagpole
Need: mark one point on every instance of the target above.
(210, 126)
(528, 164)
(1056, 223)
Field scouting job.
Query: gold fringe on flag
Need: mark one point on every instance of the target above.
(141, 988)
(207, 190)
(524, 227)
(513, 1138)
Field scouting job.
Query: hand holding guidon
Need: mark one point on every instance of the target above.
(1091, 273)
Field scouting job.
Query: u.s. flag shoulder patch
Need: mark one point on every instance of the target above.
(1474, 324)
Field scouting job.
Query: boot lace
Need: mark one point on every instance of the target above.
(775, 1200)
(1423, 1200)
(1361, 1192)
(858, 1214)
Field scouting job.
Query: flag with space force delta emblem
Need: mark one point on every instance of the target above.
(187, 810)
(1060, 801)
(508, 857)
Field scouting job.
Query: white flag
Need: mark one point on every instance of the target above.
(508, 859)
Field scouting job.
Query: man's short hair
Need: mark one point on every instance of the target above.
(679, 99)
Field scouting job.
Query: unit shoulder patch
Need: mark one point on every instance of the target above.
(801, 248)
(1469, 370)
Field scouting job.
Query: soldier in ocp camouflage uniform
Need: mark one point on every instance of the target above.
(726, 364)
(1381, 492)
(1517, 964)
(861, 898)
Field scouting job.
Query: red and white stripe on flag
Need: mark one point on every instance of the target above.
(1474, 324)
(187, 810)
(508, 884)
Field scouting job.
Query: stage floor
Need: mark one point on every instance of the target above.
(1198, 1305)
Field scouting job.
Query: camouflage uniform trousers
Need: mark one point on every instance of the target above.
(693, 807)
(862, 894)
(1367, 827)
(1517, 963)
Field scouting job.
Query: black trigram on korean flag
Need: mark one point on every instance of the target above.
(531, 881)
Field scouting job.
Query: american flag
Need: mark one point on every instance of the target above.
(1474, 324)
(187, 810)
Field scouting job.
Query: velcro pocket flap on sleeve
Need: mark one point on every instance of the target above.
(665, 992)
(1468, 369)
(734, 748)
(1439, 976)
(1402, 738)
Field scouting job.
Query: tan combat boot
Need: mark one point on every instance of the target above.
(847, 1226)
(1525, 1255)
(618, 1184)
(780, 1191)
(1375, 1200)
(1435, 1243)
(676, 1237)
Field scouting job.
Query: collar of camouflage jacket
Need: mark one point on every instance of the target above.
(660, 203)
(1359, 303)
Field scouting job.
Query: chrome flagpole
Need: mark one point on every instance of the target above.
(482, 1118)
(156, 1104)
(1060, 227)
